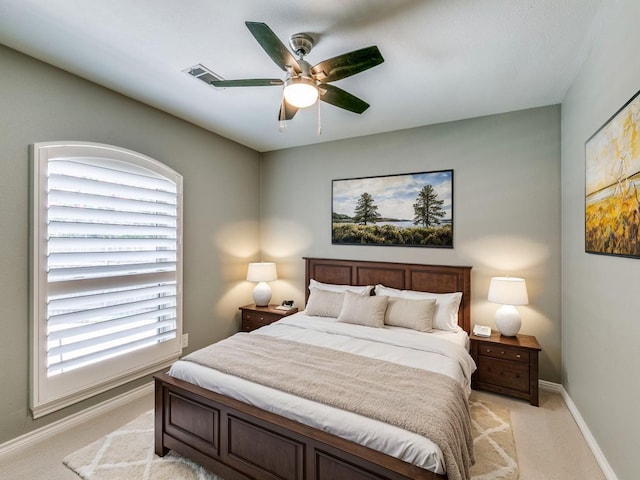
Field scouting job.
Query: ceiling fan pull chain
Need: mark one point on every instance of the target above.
(319, 119)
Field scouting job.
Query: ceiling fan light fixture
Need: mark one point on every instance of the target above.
(300, 92)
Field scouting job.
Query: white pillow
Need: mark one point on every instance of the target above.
(331, 287)
(363, 310)
(445, 316)
(408, 313)
(323, 303)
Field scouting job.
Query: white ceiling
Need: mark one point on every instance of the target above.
(444, 59)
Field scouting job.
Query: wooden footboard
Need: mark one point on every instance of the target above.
(239, 442)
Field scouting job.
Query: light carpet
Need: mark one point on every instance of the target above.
(128, 453)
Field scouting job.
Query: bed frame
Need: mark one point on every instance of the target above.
(241, 442)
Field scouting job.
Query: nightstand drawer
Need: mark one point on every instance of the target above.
(253, 320)
(250, 325)
(255, 317)
(504, 353)
(502, 373)
(259, 317)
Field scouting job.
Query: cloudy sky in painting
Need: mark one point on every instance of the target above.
(394, 195)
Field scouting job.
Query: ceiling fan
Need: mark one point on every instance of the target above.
(304, 84)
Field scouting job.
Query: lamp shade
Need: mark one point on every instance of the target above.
(262, 272)
(508, 291)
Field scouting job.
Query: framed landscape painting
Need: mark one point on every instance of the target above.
(612, 184)
(409, 210)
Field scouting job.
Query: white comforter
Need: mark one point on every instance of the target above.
(435, 352)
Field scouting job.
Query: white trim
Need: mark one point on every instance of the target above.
(582, 425)
(73, 420)
(54, 406)
(550, 386)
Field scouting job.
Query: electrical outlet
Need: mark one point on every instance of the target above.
(185, 340)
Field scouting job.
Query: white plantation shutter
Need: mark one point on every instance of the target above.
(107, 269)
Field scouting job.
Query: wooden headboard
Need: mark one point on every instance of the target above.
(404, 276)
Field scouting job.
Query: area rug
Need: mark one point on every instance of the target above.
(493, 442)
(127, 453)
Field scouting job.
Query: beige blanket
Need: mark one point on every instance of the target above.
(427, 403)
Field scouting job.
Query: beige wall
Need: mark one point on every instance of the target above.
(221, 220)
(600, 294)
(506, 208)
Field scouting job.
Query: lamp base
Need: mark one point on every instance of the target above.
(262, 294)
(508, 320)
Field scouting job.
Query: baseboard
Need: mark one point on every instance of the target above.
(42, 433)
(582, 425)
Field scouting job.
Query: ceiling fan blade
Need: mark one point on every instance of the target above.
(287, 112)
(250, 82)
(340, 98)
(347, 64)
(273, 46)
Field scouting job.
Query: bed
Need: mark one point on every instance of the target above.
(238, 440)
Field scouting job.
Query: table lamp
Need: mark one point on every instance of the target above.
(508, 291)
(262, 273)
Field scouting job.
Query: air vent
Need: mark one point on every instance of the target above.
(201, 72)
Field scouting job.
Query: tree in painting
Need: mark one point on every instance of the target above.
(428, 209)
(366, 211)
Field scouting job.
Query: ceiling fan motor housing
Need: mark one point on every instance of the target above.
(301, 43)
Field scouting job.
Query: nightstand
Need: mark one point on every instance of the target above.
(507, 365)
(255, 317)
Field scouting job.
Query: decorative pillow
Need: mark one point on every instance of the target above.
(445, 316)
(363, 310)
(323, 303)
(414, 314)
(331, 287)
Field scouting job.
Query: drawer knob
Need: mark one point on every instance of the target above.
(261, 318)
(518, 355)
(501, 352)
(488, 350)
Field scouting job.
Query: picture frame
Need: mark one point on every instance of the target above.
(407, 210)
(612, 184)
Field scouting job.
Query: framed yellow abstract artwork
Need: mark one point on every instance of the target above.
(612, 184)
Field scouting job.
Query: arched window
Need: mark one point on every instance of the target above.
(106, 270)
